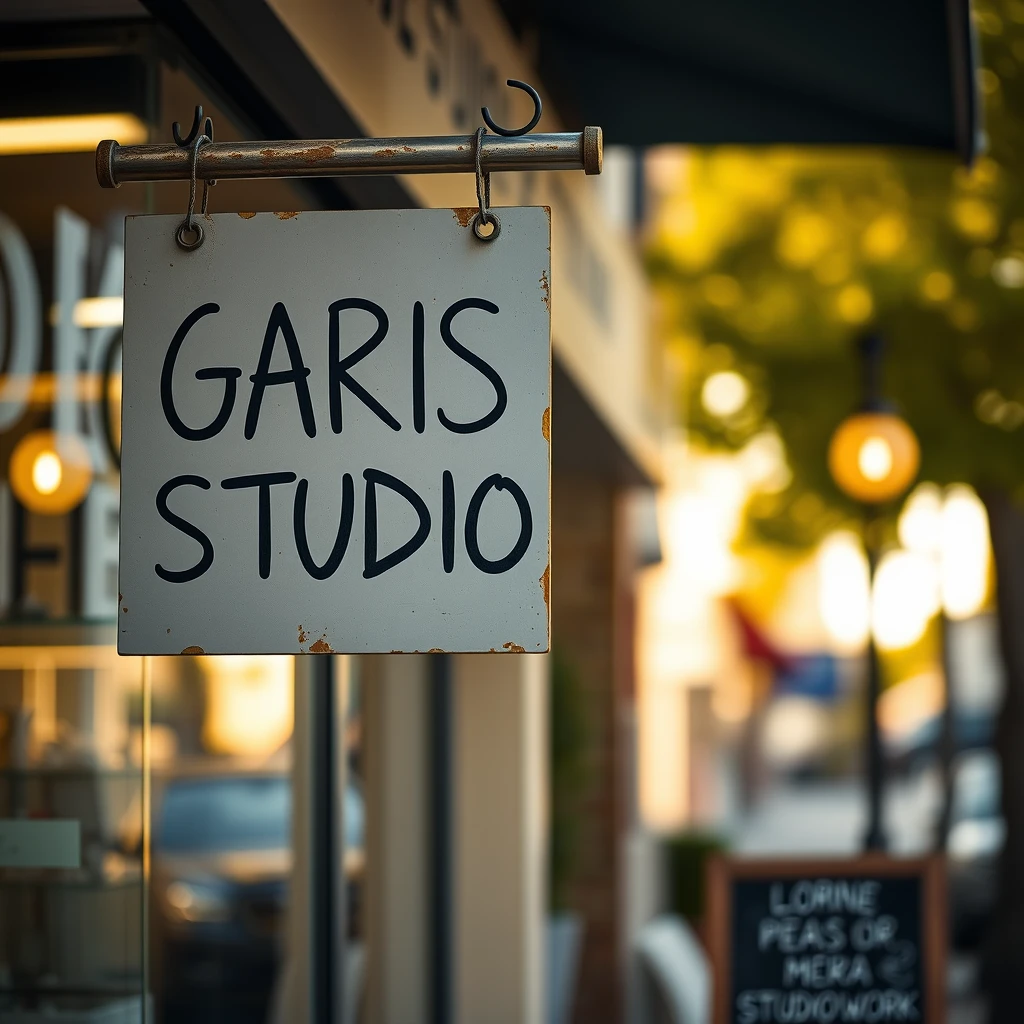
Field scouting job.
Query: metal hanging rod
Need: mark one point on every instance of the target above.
(435, 154)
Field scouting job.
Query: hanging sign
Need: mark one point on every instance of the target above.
(828, 940)
(335, 434)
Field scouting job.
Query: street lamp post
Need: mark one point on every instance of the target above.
(873, 457)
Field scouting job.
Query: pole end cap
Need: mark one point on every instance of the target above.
(593, 150)
(105, 164)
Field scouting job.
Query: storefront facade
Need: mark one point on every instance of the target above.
(326, 838)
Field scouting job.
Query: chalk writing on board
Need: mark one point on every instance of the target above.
(823, 950)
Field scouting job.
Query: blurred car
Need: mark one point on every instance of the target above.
(221, 863)
(221, 850)
(976, 835)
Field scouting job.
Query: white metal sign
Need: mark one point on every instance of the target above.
(335, 434)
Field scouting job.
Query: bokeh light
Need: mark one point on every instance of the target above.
(724, 393)
(905, 597)
(843, 589)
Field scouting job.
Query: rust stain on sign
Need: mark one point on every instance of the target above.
(545, 424)
(193, 650)
(321, 646)
(303, 635)
(286, 214)
(545, 583)
(514, 648)
(247, 214)
(545, 289)
(125, 609)
(463, 214)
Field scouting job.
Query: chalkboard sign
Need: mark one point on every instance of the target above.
(817, 942)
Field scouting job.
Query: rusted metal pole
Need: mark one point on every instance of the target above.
(321, 158)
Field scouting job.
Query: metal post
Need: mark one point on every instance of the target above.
(947, 739)
(875, 839)
(442, 909)
(326, 808)
(438, 154)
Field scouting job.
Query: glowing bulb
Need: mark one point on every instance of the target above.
(47, 472)
(50, 473)
(875, 458)
(725, 393)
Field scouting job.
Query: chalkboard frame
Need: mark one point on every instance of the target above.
(722, 871)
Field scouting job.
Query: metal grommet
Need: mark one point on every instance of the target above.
(478, 222)
(184, 228)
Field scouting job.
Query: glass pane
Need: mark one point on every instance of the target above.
(81, 935)
(221, 836)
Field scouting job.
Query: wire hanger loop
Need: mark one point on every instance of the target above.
(483, 196)
(189, 235)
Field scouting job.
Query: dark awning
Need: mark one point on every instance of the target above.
(886, 72)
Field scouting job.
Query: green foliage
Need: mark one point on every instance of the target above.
(771, 262)
(686, 858)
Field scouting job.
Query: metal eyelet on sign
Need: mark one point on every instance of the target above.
(185, 228)
(477, 224)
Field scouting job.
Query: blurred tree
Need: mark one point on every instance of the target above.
(770, 262)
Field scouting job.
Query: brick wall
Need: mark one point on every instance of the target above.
(586, 633)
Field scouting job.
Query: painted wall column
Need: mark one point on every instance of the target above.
(500, 837)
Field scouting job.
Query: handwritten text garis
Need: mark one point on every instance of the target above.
(339, 377)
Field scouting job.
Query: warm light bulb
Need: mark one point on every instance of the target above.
(50, 473)
(875, 458)
(46, 472)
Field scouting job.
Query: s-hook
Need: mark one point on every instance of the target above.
(538, 109)
(189, 235)
(483, 181)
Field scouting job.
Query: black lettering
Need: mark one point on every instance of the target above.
(419, 385)
(338, 368)
(204, 563)
(499, 483)
(229, 374)
(447, 521)
(372, 566)
(348, 501)
(264, 377)
(264, 481)
(501, 395)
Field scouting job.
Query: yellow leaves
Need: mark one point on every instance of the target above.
(722, 291)
(979, 262)
(988, 21)
(937, 286)
(988, 81)
(975, 218)
(884, 237)
(804, 236)
(834, 268)
(854, 304)
(964, 315)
